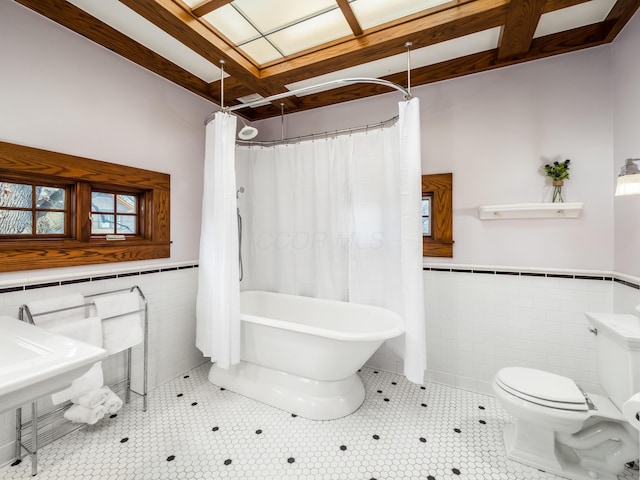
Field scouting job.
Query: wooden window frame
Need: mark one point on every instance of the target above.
(440, 187)
(18, 161)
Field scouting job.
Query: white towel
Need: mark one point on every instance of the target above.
(92, 398)
(113, 403)
(80, 414)
(56, 303)
(93, 379)
(87, 330)
(123, 332)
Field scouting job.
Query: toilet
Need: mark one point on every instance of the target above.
(559, 428)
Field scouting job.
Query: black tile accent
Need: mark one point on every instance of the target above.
(423, 388)
(179, 395)
(171, 458)
(186, 376)
(194, 404)
(423, 440)
(12, 289)
(588, 277)
(41, 285)
(482, 422)
(291, 459)
(103, 277)
(169, 269)
(491, 272)
(227, 461)
(376, 437)
(258, 432)
(215, 429)
(294, 415)
(481, 407)
(386, 399)
(184, 267)
(455, 471)
(113, 415)
(628, 284)
(431, 477)
(457, 430)
(124, 440)
(147, 272)
(498, 272)
(423, 404)
(75, 280)
(343, 447)
(16, 462)
(379, 391)
(128, 274)
(436, 269)
(532, 274)
(559, 275)
(461, 270)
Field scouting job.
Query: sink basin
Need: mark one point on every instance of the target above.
(35, 362)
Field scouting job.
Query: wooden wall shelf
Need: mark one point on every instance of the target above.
(530, 210)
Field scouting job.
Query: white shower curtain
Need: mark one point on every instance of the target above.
(340, 218)
(218, 301)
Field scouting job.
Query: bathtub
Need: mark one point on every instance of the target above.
(302, 354)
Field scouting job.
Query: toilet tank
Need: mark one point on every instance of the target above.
(617, 354)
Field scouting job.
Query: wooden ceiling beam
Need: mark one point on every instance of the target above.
(619, 15)
(555, 44)
(350, 17)
(181, 25)
(208, 6)
(79, 21)
(520, 25)
(464, 19)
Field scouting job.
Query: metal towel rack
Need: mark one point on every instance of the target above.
(28, 436)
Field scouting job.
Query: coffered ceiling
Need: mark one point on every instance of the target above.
(273, 46)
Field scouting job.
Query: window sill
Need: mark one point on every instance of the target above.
(437, 248)
(42, 254)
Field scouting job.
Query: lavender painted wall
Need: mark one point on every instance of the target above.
(61, 92)
(626, 101)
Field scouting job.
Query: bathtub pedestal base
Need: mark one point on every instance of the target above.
(313, 399)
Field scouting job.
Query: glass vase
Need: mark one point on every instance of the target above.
(557, 192)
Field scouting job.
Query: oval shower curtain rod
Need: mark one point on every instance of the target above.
(342, 81)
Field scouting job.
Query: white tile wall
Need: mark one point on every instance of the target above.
(171, 298)
(478, 323)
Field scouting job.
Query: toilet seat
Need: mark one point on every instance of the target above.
(542, 388)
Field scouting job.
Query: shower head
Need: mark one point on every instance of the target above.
(247, 132)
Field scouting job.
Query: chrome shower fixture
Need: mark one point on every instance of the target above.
(247, 132)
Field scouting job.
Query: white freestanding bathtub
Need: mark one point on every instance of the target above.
(301, 354)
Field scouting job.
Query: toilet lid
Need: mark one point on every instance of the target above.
(543, 388)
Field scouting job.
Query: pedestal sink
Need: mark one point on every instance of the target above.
(35, 362)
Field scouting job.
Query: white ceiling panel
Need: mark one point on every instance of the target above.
(125, 20)
(440, 52)
(573, 17)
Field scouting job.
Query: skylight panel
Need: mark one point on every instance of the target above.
(231, 24)
(271, 15)
(371, 13)
(310, 33)
(261, 51)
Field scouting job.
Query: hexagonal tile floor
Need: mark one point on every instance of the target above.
(196, 430)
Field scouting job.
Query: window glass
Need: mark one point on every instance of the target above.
(114, 213)
(426, 216)
(18, 214)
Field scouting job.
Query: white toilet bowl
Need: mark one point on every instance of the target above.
(559, 429)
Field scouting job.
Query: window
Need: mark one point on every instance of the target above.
(33, 210)
(114, 214)
(59, 210)
(426, 215)
(437, 215)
